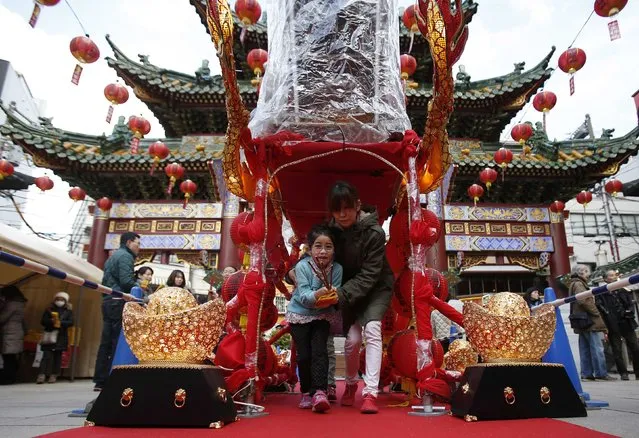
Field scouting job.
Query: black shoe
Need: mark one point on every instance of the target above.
(97, 388)
(588, 378)
(606, 378)
(625, 376)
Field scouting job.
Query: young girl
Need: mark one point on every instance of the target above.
(57, 318)
(310, 312)
(123, 354)
(366, 291)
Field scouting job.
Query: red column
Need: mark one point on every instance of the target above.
(97, 255)
(228, 250)
(559, 259)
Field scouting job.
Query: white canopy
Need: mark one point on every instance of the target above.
(40, 289)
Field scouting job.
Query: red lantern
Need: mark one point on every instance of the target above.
(77, 194)
(257, 59)
(557, 206)
(189, 188)
(571, 61)
(488, 176)
(104, 204)
(584, 198)
(159, 151)
(521, 132)
(44, 183)
(116, 94)
(544, 101)
(174, 171)
(6, 169)
(610, 8)
(36, 10)
(410, 19)
(85, 51)
(248, 11)
(613, 187)
(140, 127)
(408, 66)
(475, 192)
(503, 157)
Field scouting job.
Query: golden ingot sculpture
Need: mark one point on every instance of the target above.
(505, 331)
(173, 328)
(460, 355)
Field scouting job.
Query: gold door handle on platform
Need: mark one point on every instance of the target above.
(509, 395)
(127, 398)
(180, 398)
(544, 394)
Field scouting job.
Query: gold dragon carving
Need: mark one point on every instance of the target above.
(220, 23)
(447, 35)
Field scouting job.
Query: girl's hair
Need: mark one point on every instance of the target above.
(171, 280)
(342, 194)
(319, 230)
(143, 270)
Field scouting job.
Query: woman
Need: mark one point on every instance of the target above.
(176, 279)
(532, 297)
(11, 332)
(366, 289)
(591, 352)
(123, 354)
(56, 320)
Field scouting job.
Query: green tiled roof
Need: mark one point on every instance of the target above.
(103, 165)
(625, 267)
(537, 179)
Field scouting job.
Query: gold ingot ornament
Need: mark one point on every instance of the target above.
(173, 328)
(459, 356)
(505, 331)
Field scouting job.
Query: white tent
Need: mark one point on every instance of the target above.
(40, 289)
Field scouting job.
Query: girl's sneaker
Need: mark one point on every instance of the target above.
(306, 402)
(320, 402)
(331, 393)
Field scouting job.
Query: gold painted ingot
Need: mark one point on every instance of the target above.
(509, 395)
(507, 336)
(508, 304)
(173, 327)
(180, 398)
(221, 394)
(460, 355)
(544, 394)
(127, 397)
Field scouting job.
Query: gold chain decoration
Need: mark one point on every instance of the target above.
(220, 23)
(446, 34)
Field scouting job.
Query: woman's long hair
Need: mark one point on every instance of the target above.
(171, 280)
(143, 270)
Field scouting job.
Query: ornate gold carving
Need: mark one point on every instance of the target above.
(466, 228)
(447, 225)
(455, 228)
(519, 229)
(473, 260)
(509, 395)
(508, 230)
(477, 228)
(556, 218)
(527, 261)
(144, 257)
(611, 170)
(127, 397)
(517, 103)
(498, 228)
(180, 398)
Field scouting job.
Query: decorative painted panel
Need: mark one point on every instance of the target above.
(193, 210)
(494, 243)
(164, 226)
(170, 241)
(511, 214)
(497, 228)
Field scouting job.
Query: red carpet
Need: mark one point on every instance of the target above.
(286, 421)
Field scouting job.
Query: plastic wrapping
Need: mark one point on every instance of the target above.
(424, 353)
(417, 260)
(333, 71)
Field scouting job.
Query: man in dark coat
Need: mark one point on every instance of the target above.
(118, 275)
(617, 310)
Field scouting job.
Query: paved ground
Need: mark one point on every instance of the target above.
(28, 410)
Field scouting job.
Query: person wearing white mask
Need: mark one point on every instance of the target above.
(56, 320)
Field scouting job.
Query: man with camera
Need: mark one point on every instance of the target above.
(617, 310)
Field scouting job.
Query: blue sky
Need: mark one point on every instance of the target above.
(169, 31)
